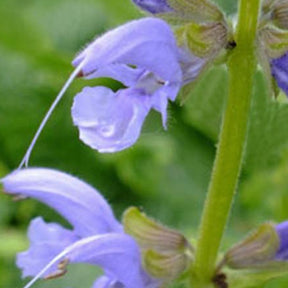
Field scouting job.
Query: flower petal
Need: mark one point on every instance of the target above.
(110, 121)
(117, 254)
(120, 72)
(146, 43)
(106, 282)
(46, 241)
(78, 202)
(282, 231)
(279, 69)
(154, 6)
(191, 65)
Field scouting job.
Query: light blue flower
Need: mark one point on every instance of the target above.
(141, 54)
(144, 57)
(96, 238)
(279, 69)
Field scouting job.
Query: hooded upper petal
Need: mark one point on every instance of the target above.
(279, 69)
(110, 121)
(82, 205)
(153, 6)
(125, 74)
(46, 241)
(147, 43)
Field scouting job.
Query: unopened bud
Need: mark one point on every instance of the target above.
(197, 10)
(203, 40)
(280, 14)
(152, 235)
(258, 250)
(165, 266)
(166, 253)
(275, 41)
(182, 10)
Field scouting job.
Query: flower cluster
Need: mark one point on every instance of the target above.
(97, 237)
(152, 62)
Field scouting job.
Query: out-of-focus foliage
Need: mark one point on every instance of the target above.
(166, 172)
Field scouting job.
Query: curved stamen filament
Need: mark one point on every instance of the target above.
(26, 157)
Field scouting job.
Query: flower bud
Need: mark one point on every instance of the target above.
(182, 10)
(165, 266)
(203, 40)
(275, 41)
(258, 250)
(197, 10)
(280, 14)
(165, 252)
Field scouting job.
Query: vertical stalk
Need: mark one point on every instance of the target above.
(228, 162)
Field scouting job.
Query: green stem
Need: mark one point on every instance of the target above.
(228, 162)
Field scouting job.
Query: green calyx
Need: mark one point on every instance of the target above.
(275, 12)
(280, 14)
(151, 235)
(166, 253)
(203, 40)
(255, 251)
(275, 41)
(251, 262)
(196, 10)
(165, 266)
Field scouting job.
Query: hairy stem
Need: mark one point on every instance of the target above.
(228, 162)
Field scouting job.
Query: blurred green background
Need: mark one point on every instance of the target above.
(166, 172)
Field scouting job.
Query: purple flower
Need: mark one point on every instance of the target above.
(279, 69)
(96, 238)
(282, 231)
(144, 57)
(141, 54)
(153, 6)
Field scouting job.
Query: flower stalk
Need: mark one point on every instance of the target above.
(231, 147)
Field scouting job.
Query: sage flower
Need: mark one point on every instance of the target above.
(96, 237)
(143, 56)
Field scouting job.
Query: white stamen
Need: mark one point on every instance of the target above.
(51, 263)
(61, 255)
(26, 157)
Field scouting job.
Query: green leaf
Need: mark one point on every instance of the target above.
(267, 136)
(253, 279)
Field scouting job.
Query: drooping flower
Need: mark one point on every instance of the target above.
(96, 238)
